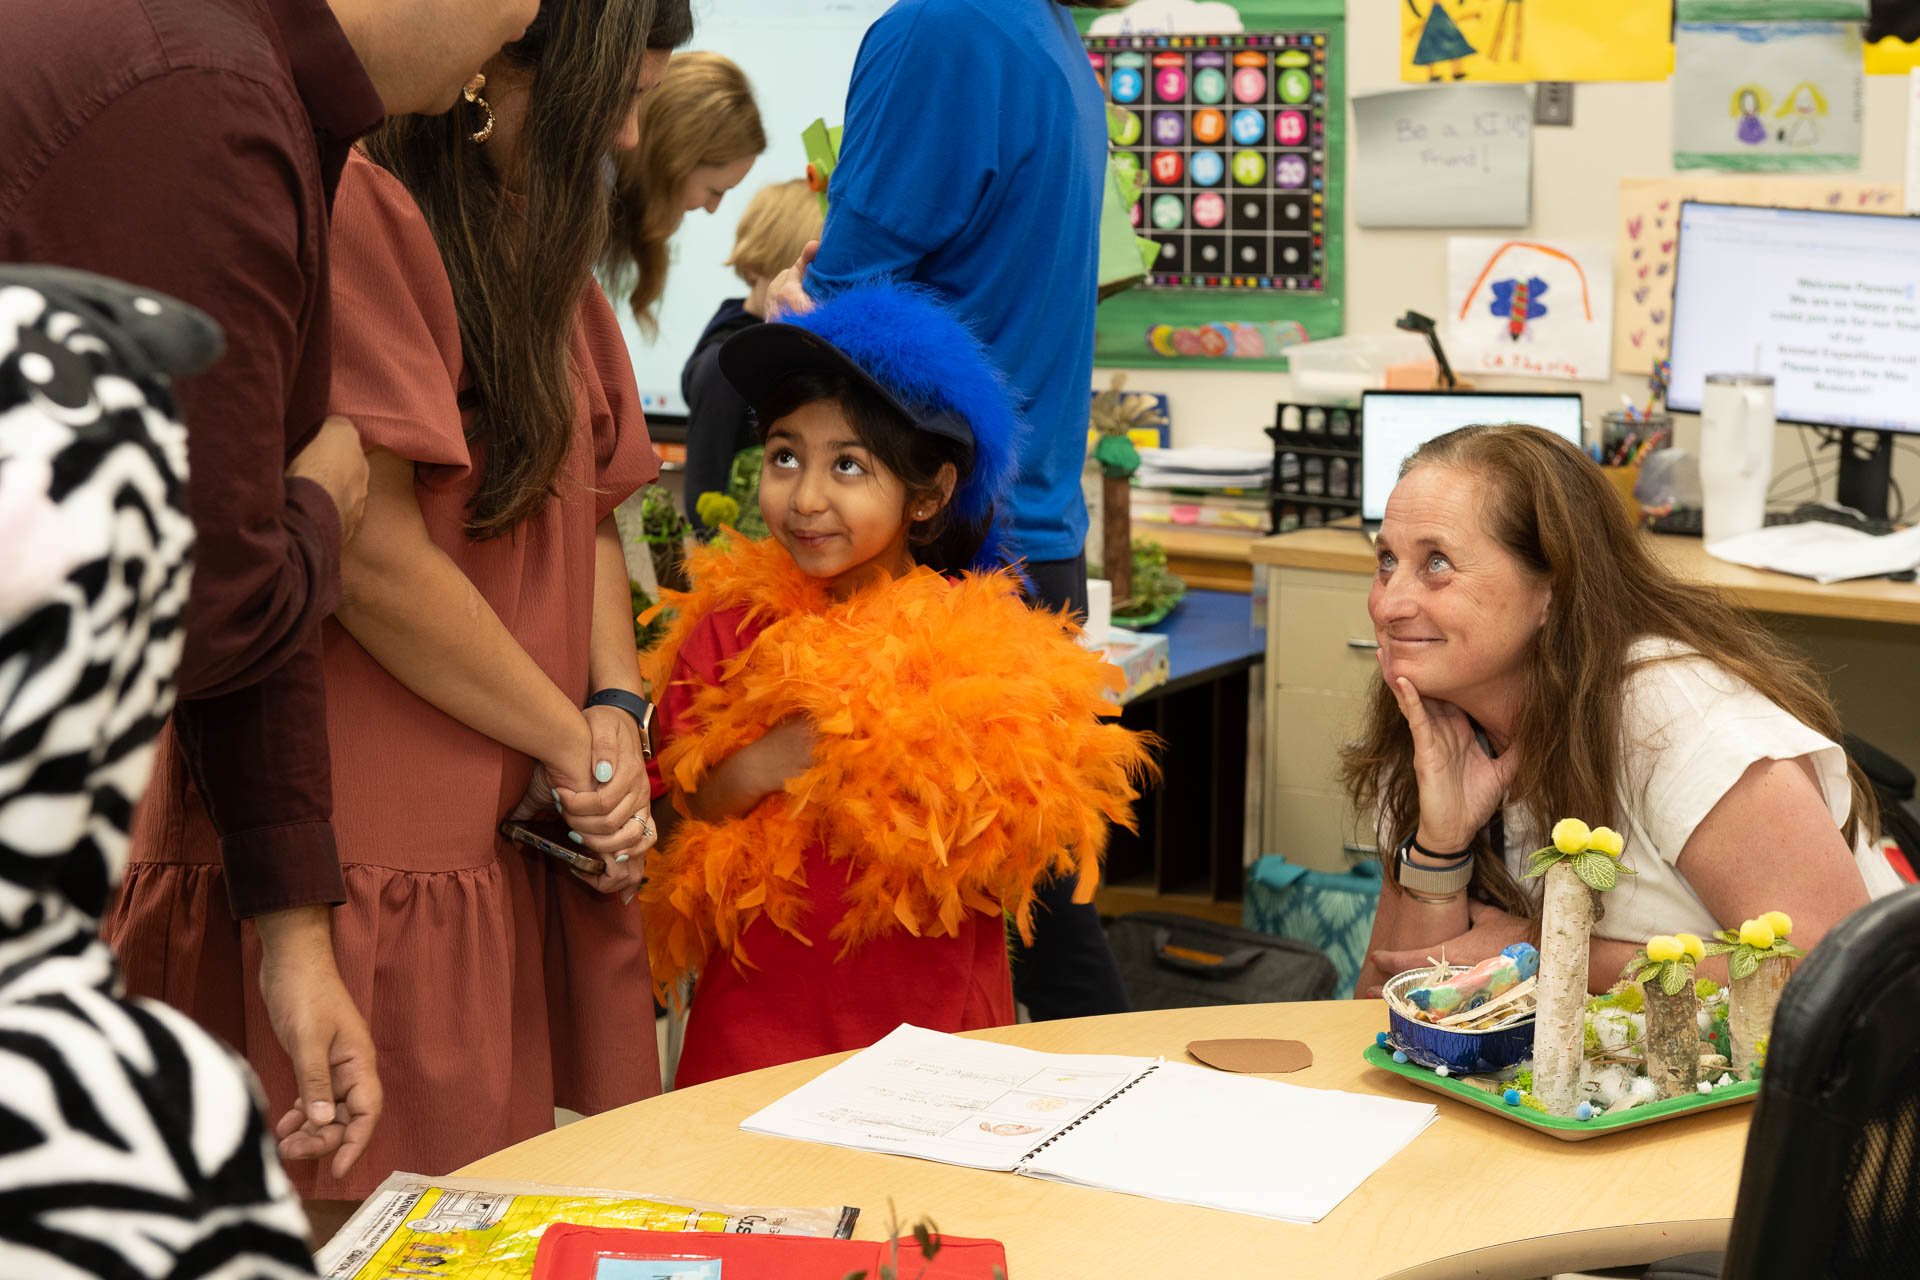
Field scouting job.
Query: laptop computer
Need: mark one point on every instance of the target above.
(1395, 423)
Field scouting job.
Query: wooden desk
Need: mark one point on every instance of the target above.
(1321, 666)
(1474, 1195)
(1208, 559)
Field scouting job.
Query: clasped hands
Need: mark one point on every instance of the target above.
(604, 798)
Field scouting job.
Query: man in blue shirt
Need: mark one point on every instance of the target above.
(973, 162)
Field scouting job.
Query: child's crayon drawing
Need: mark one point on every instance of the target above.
(1529, 308)
(1520, 41)
(1767, 97)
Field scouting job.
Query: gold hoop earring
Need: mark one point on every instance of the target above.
(471, 92)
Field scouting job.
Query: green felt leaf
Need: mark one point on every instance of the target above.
(1116, 455)
(1673, 977)
(1744, 963)
(1719, 948)
(1597, 870)
(1649, 973)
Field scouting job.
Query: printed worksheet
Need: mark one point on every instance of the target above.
(939, 1097)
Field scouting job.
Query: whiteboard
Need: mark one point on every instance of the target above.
(798, 55)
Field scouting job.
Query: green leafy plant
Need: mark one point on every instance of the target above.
(664, 530)
(1156, 588)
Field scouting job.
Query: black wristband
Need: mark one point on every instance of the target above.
(634, 705)
(1413, 844)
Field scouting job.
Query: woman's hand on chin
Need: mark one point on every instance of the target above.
(1460, 784)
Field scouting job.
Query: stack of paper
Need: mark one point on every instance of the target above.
(1140, 1126)
(1822, 551)
(1204, 468)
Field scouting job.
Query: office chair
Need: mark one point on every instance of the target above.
(1893, 785)
(1831, 1182)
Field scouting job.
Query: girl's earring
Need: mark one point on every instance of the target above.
(472, 94)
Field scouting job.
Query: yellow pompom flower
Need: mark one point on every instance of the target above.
(1570, 835)
(1606, 840)
(1780, 922)
(1757, 934)
(1692, 945)
(1661, 948)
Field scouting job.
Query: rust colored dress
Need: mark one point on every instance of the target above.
(497, 986)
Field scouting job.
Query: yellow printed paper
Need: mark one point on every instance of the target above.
(1520, 41)
(1644, 252)
(466, 1229)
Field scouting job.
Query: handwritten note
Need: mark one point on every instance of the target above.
(1456, 156)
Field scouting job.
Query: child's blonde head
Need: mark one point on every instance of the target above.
(779, 221)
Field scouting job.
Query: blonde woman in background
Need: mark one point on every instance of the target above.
(777, 225)
(699, 134)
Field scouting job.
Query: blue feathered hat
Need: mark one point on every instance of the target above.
(917, 357)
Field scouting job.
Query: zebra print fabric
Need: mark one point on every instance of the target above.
(131, 1142)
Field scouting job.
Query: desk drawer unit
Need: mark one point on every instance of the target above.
(1320, 671)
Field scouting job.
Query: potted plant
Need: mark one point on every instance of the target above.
(1580, 864)
(664, 530)
(1156, 588)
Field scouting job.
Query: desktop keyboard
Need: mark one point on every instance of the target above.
(1688, 521)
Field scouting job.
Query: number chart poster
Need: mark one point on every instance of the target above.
(1233, 117)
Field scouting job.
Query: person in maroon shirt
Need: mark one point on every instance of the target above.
(192, 146)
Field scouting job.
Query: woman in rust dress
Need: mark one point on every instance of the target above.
(486, 603)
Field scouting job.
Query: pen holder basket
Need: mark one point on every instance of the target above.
(1461, 1052)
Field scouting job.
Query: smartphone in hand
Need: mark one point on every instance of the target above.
(579, 859)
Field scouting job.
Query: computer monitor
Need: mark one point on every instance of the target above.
(1395, 423)
(1827, 302)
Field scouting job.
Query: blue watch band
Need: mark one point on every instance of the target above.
(634, 705)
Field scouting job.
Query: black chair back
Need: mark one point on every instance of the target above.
(1831, 1182)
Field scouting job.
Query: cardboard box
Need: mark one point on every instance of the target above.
(1142, 658)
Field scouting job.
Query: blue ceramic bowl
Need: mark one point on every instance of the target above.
(1461, 1052)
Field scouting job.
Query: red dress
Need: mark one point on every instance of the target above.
(497, 987)
(800, 1001)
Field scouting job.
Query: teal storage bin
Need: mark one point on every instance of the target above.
(1332, 910)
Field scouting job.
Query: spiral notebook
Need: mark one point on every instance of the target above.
(1140, 1126)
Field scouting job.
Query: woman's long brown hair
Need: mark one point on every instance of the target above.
(519, 256)
(702, 116)
(1554, 512)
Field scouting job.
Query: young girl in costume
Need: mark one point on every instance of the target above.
(874, 761)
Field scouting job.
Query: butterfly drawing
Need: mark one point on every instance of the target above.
(1519, 301)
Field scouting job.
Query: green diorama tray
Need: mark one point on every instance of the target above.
(1141, 621)
(1554, 1126)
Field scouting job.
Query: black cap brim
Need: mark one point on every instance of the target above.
(760, 360)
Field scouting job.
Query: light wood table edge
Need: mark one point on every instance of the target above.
(1634, 1245)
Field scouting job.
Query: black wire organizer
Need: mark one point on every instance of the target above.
(1316, 465)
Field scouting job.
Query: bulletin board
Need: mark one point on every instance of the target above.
(1241, 138)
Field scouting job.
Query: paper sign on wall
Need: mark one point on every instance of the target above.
(1767, 97)
(1453, 157)
(1531, 308)
(1521, 41)
(1648, 235)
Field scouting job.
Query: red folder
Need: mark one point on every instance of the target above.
(569, 1252)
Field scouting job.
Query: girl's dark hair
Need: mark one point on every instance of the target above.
(520, 260)
(912, 455)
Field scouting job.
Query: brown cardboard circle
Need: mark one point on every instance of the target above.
(1265, 1057)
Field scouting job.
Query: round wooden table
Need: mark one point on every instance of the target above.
(1475, 1195)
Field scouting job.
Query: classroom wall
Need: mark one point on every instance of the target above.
(1619, 131)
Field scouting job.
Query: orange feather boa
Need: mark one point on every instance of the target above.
(965, 751)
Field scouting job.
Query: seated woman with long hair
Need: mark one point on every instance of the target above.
(1540, 663)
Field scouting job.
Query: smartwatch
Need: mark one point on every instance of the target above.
(634, 705)
(1435, 881)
